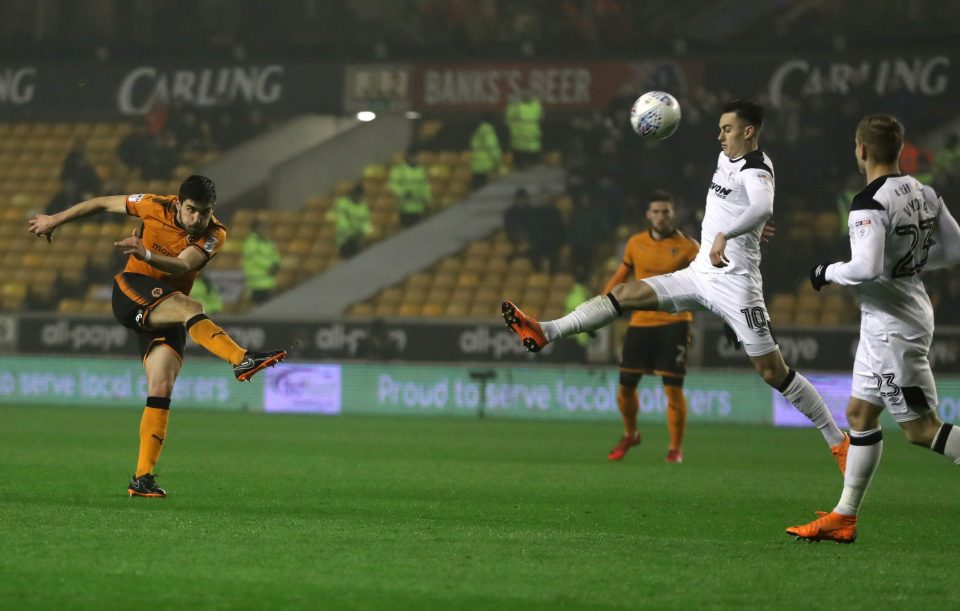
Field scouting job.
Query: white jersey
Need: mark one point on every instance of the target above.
(893, 223)
(739, 201)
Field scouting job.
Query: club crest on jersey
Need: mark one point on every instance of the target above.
(157, 291)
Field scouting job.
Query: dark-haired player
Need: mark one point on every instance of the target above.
(724, 278)
(656, 342)
(178, 236)
(898, 228)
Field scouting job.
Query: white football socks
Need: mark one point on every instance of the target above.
(590, 315)
(947, 442)
(866, 447)
(803, 396)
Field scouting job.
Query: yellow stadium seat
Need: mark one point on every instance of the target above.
(434, 309)
(361, 310)
(390, 295)
(444, 279)
(409, 310)
(386, 309)
(457, 309)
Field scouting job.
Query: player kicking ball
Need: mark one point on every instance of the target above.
(898, 228)
(723, 278)
(179, 235)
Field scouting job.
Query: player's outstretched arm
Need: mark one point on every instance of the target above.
(945, 250)
(189, 260)
(44, 224)
(619, 277)
(867, 237)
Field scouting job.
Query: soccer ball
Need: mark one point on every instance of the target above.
(655, 115)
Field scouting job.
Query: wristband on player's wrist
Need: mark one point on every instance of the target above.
(148, 255)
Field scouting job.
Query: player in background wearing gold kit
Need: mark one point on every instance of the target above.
(657, 342)
(179, 235)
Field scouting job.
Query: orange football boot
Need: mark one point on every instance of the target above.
(839, 452)
(524, 326)
(828, 527)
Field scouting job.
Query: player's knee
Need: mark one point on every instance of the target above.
(773, 376)
(192, 306)
(675, 381)
(160, 388)
(629, 381)
(861, 419)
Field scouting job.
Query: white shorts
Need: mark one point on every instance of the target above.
(894, 371)
(736, 299)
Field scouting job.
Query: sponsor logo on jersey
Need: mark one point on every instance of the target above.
(719, 190)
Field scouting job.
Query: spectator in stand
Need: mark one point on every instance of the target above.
(351, 218)
(207, 294)
(588, 227)
(916, 162)
(547, 233)
(946, 165)
(78, 169)
(156, 118)
(161, 157)
(261, 262)
(191, 132)
(608, 197)
(485, 153)
(134, 149)
(524, 116)
(408, 182)
(517, 221)
(579, 293)
(68, 195)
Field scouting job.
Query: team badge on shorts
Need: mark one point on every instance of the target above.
(157, 291)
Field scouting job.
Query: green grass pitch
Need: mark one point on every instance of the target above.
(282, 512)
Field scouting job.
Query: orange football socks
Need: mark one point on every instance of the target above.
(210, 336)
(153, 430)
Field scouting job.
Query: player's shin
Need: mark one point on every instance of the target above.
(629, 405)
(866, 447)
(802, 395)
(947, 442)
(676, 413)
(590, 315)
(214, 339)
(153, 430)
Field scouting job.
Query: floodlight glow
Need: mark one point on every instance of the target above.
(366, 115)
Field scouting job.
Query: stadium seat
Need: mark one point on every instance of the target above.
(457, 309)
(408, 310)
(434, 309)
(362, 310)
